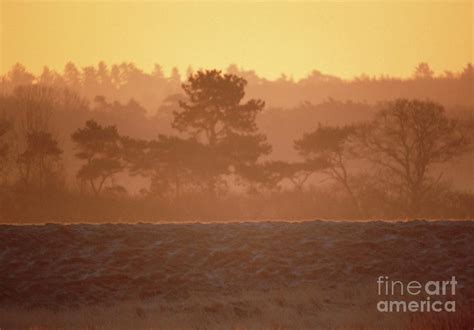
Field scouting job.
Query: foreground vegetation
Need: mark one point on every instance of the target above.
(269, 275)
(300, 308)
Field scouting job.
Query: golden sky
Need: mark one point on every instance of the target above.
(341, 38)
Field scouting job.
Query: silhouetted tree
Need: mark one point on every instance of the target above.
(104, 79)
(18, 76)
(34, 106)
(172, 163)
(40, 159)
(213, 109)
(5, 127)
(31, 108)
(423, 71)
(38, 111)
(72, 76)
(101, 148)
(90, 82)
(215, 115)
(331, 147)
(50, 78)
(407, 138)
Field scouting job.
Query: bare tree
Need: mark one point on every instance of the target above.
(34, 143)
(5, 128)
(407, 138)
(41, 158)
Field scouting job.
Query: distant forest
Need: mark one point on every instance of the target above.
(113, 143)
(124, 82)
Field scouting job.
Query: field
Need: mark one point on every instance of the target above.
(275, 275)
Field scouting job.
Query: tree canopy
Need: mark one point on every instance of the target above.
(101, 148)
(214, 113)
(407, 138)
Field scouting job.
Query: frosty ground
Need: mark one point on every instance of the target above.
(313, 274)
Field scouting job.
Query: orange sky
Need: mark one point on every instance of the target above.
(341, 38)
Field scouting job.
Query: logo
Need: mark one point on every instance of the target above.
(415, 296)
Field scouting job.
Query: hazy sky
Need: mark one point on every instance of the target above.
(341, 38)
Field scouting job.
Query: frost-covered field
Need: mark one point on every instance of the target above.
(247, 275)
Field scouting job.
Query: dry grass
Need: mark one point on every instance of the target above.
(299, 308)
(314, 275)
(463, 318)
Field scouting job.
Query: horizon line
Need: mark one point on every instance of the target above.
(289, 77)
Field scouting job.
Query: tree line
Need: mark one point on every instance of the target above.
(216, 161)
(126, 81)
